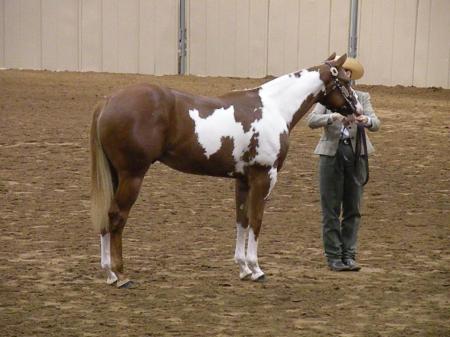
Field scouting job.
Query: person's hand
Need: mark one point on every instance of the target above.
(338, 117)
(362, 119)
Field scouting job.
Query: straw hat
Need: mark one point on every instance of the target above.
(355, 67)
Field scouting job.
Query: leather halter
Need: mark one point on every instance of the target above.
(349, 107)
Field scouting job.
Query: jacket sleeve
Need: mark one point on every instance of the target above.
(318, 117)
(368, 111)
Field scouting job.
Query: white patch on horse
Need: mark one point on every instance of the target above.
(252, 256)
(239, 253)
(281, 99)
(273, 179)
(221, 123)
(105, 244)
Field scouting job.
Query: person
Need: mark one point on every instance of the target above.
(339, 192)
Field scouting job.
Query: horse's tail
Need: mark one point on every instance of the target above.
(102, 189)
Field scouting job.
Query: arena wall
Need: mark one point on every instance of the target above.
(404, 42)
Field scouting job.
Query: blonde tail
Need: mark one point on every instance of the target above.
(102, 190)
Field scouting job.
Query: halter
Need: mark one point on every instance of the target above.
(336, 84)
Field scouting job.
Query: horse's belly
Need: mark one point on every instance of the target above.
(215, 165)
(210, 167)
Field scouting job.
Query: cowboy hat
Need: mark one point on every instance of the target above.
(355, 67)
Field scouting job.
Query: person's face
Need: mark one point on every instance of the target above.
(348, 73)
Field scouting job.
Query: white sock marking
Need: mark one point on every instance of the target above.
(105, 250)
(105, 244)
(239, 253)
(252, 256)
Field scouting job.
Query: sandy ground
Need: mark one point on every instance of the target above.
(179, 242)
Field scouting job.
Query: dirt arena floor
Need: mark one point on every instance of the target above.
(179, 242)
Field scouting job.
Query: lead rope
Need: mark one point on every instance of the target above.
(361, 137)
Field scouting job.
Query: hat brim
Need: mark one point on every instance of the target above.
(355, 67)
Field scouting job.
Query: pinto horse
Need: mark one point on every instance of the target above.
(242, 135)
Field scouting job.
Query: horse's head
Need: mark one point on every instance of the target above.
(338, 95)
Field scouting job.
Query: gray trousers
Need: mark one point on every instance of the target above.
(340, 195)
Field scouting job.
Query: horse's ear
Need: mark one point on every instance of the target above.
(340, 61)
(331, 57)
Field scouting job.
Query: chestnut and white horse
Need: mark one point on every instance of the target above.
(242, 135)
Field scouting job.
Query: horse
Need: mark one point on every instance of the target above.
(242, 135)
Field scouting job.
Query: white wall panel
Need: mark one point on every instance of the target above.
(22, 26)
(128, 36)
(12, 34)
(110, 29)
(339, 27)
(439, 44)
(376, 40)
(2, 33)
(283, 37)
(147, 37)
(241, 51)
(60, 34)
(91, 35)
(403, 42)
(258, 26)
(421, 48)
(196, 36)
(400, 41)
(313, 32)
(165, 44)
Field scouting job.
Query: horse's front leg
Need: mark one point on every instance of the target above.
(259, 181)
(242, 189)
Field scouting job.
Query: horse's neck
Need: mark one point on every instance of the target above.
(291, 95)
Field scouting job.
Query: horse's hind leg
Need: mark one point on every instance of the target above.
(124, 198)
(241, 228)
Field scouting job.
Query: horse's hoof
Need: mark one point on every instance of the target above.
(126, 284)
(246, 277)
(260, 279)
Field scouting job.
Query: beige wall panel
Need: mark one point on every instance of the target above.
(29, 43)
(283, 37)
(128, 36)
(21, 39)
(165, 47)
(258, 25)
(147, 37)
(68, 35)
(50, 34)
(376, 41)
(276, 33)
(91, 35)
(12, 34)
(439, 44)
(2, 33)
(242, 39)
(196, 41)
(227, 57)
(212, 37)
(422, 39)
(403, 42)
(339, 27)
(60, 34)
(110, 31)
(313, 37)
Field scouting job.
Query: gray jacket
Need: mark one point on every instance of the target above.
(329, 142)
